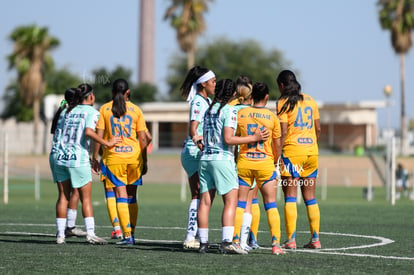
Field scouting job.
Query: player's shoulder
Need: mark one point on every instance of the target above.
(106, 106)
(132, 106)
(307, 97)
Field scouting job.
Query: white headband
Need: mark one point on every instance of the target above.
(205, 77)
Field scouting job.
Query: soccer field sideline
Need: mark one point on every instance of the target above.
(332, 251)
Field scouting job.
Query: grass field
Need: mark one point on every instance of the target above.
(358, 237)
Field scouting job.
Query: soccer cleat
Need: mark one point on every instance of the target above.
(203, 248)
(231, 248)
(313, 244)
(254, 245)
(74, 232)
(117, 234)
(277, 250)
(127, 241)
(60, 240)
(246, 247)
(95, 240)
(289, 244)
(191, 244)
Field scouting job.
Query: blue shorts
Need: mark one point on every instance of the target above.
(218, 174)
(79, 176)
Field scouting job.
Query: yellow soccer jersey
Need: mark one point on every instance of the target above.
(301, 135)
(257, 155)
(234, 102)
(127, 126)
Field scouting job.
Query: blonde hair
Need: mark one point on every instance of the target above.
(243, 93)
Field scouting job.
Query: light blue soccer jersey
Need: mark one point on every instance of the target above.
(213, 135)
(198, 107)
(69, 140)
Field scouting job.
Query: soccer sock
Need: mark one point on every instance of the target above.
(238, 220)
(245, 230)
(227, 234)
(133, 212)
(254, 227)
(192, 225)
(71, 217)
(203, 235)
(123, 215)
(111, 206)
(314, 217)
(291, 214)
(273, 219)
(90, 225)
(60, 227)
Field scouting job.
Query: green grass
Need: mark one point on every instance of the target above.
(162, 216)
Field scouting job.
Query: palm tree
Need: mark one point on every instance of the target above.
(186, 17)
(397, 16)
(31, 47)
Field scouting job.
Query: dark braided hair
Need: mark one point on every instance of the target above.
(69, 102)
(224, 90)
(291, 91)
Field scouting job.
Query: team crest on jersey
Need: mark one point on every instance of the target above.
(196, 112)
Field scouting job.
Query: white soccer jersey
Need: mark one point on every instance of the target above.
(69, 140)
(213, 135)
(199, 105)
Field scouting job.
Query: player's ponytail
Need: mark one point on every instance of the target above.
(290, 90)
(119, 88)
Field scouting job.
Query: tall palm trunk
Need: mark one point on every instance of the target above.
(403, 147)
(190, 59)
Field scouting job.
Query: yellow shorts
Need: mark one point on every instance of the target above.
(300, 166)
(122, 174)
(248, 176)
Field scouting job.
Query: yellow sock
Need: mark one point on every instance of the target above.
(133, 213)
(123, 214)
(111, 206)
(238, 220)
(273, 219)
(254, 227)
(314, 217)
(291, 214)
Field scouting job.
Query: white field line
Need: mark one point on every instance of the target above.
(330, 251)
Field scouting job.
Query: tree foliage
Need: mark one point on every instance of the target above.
(397, 16)
(57, 81)
(230, 59)
(102, 84)
(186, 17)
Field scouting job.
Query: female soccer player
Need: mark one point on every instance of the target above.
(251, 216)
(122, 166)
(198, 85)
(71, 229)
(299, 119)
(256, 162)
(217, 165)
(69, 159)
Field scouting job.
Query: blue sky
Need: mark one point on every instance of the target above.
(338, 47)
